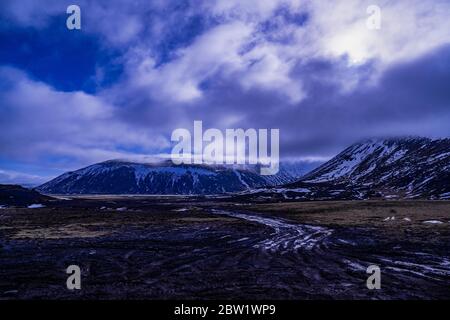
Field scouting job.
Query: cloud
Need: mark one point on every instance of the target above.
(258, 37)
(340, 29)
(13, 177)
(180, 79)
(38, 122)
(30, 13)
(310, 68)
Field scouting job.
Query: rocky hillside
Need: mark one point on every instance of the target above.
(124, 177)
(412, 168)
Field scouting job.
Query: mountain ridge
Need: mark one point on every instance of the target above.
(405, 167)
(127, 177)
(402, 167)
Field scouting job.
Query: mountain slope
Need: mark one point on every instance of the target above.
(124, 177)
(414, 168)
(411, 167)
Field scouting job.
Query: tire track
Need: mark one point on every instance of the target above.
(287, 237)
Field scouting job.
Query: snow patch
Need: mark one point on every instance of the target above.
(238, 174)
(36, 206)
(433, 222)
(445, 195)
(397, 156)
(353, 158)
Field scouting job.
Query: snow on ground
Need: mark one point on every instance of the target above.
(36, 206)
(300, 190)
(142, 171)
(445, 195)
(396, 156)
(63, 198)
(238, 175)
(284, 190)
(433, 222)
(287, 236)
(357, 154)
(391, 197)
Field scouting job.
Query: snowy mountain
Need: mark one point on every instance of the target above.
(410, 167)
(125, 177)
(378, 168)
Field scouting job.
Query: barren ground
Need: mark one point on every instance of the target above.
(186, 248)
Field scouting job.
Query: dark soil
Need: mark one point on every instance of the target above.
(177, 248)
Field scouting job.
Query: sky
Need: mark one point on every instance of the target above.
(137, 70)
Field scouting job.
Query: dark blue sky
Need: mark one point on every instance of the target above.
(138, 70)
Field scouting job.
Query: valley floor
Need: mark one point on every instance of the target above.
(189, 248)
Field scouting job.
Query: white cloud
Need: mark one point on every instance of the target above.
(332, 31)
(250, 10)
(220, 50)
(38, 121)
(14, 177)
(408, 29)
(270, 69)
(31, 13)
(217, 50)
